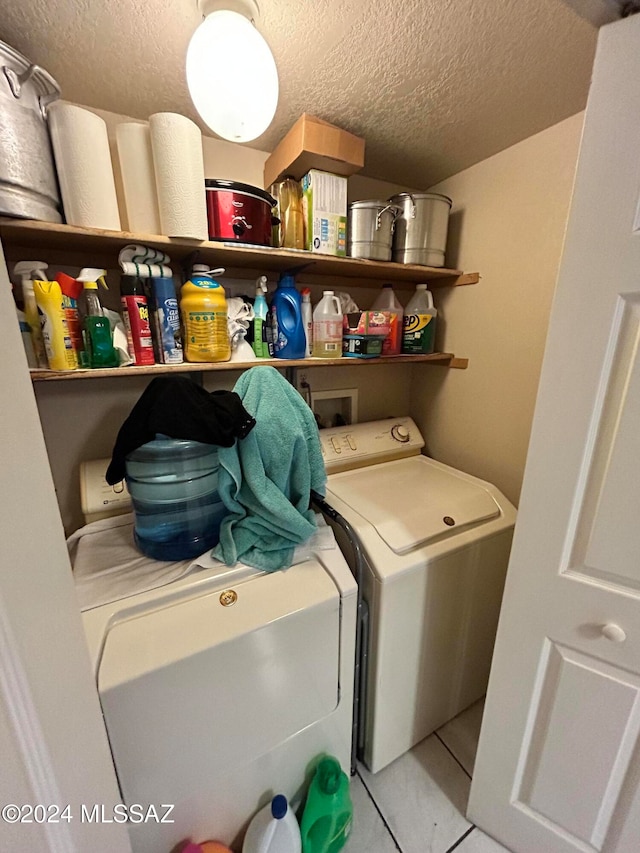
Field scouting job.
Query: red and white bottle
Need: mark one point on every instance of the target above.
(135, 310)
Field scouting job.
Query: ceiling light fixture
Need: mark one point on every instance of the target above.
(231, 74)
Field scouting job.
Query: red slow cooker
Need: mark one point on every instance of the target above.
(239, 212)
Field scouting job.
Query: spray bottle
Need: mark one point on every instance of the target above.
(307, 319)
(55, 332)
(98, 336)
(260, 344)
(27, 271)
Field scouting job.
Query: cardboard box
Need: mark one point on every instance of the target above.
(367, 323)
(324, 205)
(314, 144)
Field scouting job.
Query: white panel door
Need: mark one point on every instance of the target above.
(558, 766)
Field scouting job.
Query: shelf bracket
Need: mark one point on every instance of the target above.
(465, 278)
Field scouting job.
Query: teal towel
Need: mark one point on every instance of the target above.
(266, 478)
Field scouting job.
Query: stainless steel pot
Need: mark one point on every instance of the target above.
(370, 229)
(28, 184)
(420, 235)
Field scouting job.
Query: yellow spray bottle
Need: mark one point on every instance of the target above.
(55, 332)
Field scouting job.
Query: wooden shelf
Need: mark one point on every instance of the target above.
(441, 358)
(29, 235)
(24, 237)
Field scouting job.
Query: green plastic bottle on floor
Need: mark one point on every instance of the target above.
(326, 820)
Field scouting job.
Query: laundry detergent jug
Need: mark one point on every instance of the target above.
(328, 811)
(286, 321)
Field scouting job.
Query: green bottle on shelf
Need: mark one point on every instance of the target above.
(328, 811)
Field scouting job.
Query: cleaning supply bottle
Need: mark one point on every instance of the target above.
(328, 811)
(327, 327)
(71, 289)
(55, 332)
(164, 319)
(307, 319)
(286, 310)
(27, 343)
(273, 830)
(388, 301)
(260, 310)
(27, 270)
(135, 313)
(418, 329)
(203, 308)
(97, 332)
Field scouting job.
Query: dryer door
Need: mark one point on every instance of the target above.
(197, 689)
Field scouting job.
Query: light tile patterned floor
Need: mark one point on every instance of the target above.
(417, 804)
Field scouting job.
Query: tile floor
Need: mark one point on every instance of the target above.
(417, 804)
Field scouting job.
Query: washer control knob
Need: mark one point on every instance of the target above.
(400, 433)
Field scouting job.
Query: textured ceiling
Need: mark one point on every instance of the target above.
(434, 86)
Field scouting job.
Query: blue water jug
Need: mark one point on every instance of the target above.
(286, 305)
(174, 491)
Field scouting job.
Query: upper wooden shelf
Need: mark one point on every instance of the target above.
(28, 235)
(445, 359)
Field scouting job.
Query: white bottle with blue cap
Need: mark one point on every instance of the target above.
(274, 829)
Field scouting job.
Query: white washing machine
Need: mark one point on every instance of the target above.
(431, 551)
(223, 686)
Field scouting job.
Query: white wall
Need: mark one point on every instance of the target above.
(508, 221)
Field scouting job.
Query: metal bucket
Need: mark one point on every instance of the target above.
(370, 229)
(420, 235)
(28, 183)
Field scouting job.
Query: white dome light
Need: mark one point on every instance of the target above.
(232, 76)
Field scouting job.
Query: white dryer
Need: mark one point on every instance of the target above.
(431, 551)
(221, 688)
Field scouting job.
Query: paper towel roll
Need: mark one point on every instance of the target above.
(138, 178)
(81, 151)
(178, 163)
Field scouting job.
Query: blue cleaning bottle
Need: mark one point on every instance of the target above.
(286, 308)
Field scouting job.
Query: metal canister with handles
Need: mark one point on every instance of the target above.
(420, 236)
(28, 183)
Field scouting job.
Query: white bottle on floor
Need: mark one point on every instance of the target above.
(274, 829)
